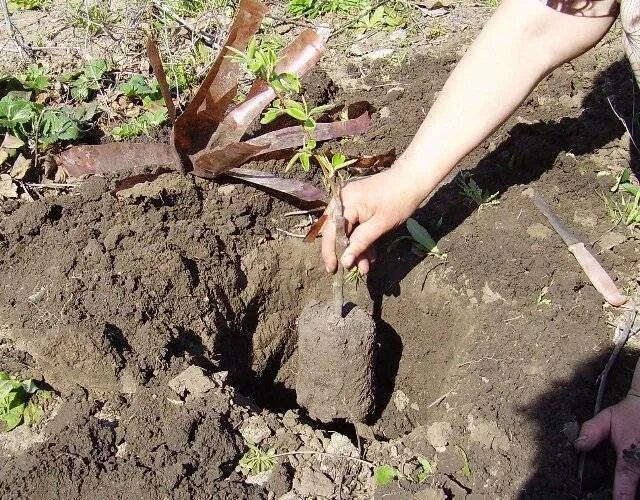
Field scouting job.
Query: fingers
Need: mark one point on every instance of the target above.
(362, 237)
(626, 479)
(328, 248)
(594, 431)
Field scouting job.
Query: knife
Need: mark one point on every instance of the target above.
(587, 260)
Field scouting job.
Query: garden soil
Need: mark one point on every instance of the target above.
(108, 297)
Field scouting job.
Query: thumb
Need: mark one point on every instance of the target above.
(594, 431)
(362, 237)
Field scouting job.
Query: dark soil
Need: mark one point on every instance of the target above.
(338, 356)
(107, 298)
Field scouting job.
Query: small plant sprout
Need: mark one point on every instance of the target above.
(543, 299)
(626, 211)
(257, 461)
(355, 276)
(385, 474)
(466, 466)
(422, 240)
(426, 469)
(469, 189)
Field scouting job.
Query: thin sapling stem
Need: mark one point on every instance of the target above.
(337, 215)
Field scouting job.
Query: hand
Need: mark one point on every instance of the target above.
(621, 423)
(372, 206)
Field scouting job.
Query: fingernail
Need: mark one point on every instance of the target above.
(347, 259)
(328, 269)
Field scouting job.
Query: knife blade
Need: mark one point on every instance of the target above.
(587, 260)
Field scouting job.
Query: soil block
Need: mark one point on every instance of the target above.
(335, 363)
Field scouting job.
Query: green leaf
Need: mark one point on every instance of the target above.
(137, 86)
(35, 78)
(292, 162)
(4, 376)
(466, 467)
(318, 110)
(385, 474)
(623, 178)
(296, 113)
(29, 386)
(377, 16)
(13, 417)
(426, 469)
(270, 115)
(32, 413)
(305, 161)
(96, 68)
(422, 237)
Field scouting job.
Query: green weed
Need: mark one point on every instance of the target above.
(94, 16)
(384, 17)
(20, 401)
(35, 77)
(466, 466)
(469, 189)
(316, 8)
(385, 474)
(192, 8)
(139, 125)
(29, 120)
(422, 239)
(543, 299)
(355, 276)
(626, 211)
(86, 84)
(426, 469)
(256, 461)
(14, 5)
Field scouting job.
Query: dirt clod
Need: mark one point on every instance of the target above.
(335, 360)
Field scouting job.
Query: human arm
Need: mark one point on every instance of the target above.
(521, 43)
(620, 423)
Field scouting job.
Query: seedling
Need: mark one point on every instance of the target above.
(469, 189)
(422, 240)
(466, 466)
(626, 211)
(138, 87)
(36, 77)
(85, 84)
(543, 299)
(257, 461)
(20, 401)
(426, 469)
(355, 276)
(141, 124)
(385, 474)
(383, 17)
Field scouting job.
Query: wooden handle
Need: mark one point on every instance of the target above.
(597, 275)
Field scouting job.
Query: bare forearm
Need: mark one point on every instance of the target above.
(519, 46)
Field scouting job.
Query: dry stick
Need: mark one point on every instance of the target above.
(14, 35)
(624, 124)
(622, 334)
(337, 216)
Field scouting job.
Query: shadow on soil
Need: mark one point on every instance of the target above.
(556, 463)
(528, 152)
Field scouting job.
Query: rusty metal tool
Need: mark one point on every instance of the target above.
(585, 257)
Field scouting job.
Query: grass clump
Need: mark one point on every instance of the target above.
(93, 16)
(316, 8)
